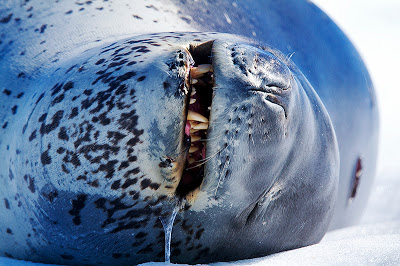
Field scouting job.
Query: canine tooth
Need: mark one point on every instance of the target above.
(209, 107)
(192, 101)
(193, 92)
(196, 116)
(195, 138)
(193, 81)
(200, 70)
(191, 160)
(193, 149)
(201, 126)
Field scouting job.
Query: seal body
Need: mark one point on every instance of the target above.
(93, 111)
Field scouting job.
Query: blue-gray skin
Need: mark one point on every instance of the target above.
(92, 142)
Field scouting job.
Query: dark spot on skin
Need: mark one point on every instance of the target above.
(95, 183)
(77, 205)
(67, 257)
(357, 177)
(7, 92)
(101, 61)
(42, 117)
(51, 195)
(6, 19)
(199, 233)
(6, 204)
(136, 16)
(58, 99)
(45, 158)
(68, 12)
(43, 28)
(9, 231)
(62, 134)
(74, 113)
(115, 137)
(45, 129)
(100, 203)
(87, 92)
(56, 89)
(116, 185)
(64, 169)
(141, 78)
(10, 174)
(123, 165)
(20, 95)
(5, 124)
(147, 249)
(166, 85)
(141, 235)
(145, 183)
(40, 97)
(31, 182)
(14, 109)
(69, 85)
(21, 75)
(129, 182)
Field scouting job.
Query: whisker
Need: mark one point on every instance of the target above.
(205, 160)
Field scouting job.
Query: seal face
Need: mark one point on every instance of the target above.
(97, 146)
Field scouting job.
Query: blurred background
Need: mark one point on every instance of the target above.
(374, 28)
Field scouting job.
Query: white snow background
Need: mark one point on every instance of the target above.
(374, 28)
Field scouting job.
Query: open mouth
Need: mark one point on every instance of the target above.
(201, 84)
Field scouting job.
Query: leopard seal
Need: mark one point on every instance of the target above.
(95, 129)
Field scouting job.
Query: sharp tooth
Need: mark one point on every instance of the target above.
(200, 70)
(193, 92)
(193, 130)
(196, 116)
(193, 149)
(195, 138)
(209, 107)
(191, 160)
(193, 81)
(193, 123)
(201, 126)
(192, 101)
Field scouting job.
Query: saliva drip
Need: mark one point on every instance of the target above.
(168, 223)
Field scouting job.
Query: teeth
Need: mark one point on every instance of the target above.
(200, 70)
(193, 81)
(195, 138)
(192, 101)
(196, 117)
(193, 149)
(209, 107)
(194, 130)
(193, 91)
(201, 126)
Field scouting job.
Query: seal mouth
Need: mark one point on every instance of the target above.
(201, 85)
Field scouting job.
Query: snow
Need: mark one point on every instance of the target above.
(374, 28)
